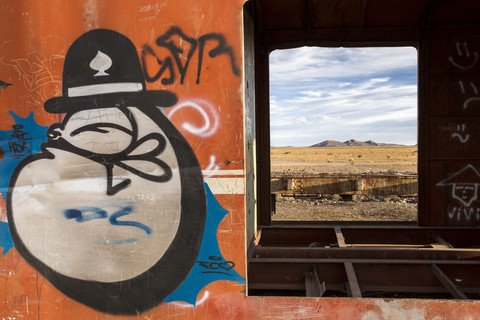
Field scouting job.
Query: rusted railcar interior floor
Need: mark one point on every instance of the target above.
(366, 261)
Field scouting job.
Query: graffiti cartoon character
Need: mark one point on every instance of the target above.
(112, 210)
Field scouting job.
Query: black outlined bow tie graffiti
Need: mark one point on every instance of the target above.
(137, 161)
(133, 162)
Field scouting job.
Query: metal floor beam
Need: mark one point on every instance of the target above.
(359, 260)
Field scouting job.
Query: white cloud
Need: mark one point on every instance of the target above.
(366, 94)
(310, 62)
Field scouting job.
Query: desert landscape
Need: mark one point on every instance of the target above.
(349, 157)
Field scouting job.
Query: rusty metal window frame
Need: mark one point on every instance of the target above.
(358, 261)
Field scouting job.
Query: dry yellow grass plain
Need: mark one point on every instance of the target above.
(355, 160)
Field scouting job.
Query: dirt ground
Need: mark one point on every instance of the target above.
(351, 160)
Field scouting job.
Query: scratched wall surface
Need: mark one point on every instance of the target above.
(453, 126)
(122, 158)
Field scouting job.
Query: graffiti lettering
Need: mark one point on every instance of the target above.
(18, 143)
(214, 265)
(85, 214)
(221, 48)
(124, 212)
(467, 213)
(168, 41)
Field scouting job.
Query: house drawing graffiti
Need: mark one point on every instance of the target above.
(463, 185)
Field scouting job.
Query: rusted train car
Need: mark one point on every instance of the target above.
(136, 173)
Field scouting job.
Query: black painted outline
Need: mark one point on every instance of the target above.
(115, 159)
(150, 288)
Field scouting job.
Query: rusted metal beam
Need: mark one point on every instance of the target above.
(451, 287)
(313, 286)
(441, 243)
(363, 261)
(340, 238)
(456, 255)
(353, 287)
(345, 184)
(326, 37)
(303, 235)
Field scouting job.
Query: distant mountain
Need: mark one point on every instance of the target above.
(352, 143)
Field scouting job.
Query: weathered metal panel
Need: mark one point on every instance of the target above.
(453, 131)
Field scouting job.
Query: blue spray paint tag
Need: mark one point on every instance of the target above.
(24, 139)
(211, 265)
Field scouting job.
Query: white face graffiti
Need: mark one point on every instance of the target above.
(465, 193)
(66, 219)
(101, 131)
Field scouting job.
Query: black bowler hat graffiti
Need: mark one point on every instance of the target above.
(112, 211)
(103, 68)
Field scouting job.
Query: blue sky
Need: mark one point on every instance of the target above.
(319, 94)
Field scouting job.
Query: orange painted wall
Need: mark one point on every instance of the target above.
(35, 36)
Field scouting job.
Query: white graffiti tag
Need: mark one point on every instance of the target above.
(208, 113)
(467, 62)
(474, 90)
(460, 133)
(464, 185)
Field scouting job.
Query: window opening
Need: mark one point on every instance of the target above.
(343, 128)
